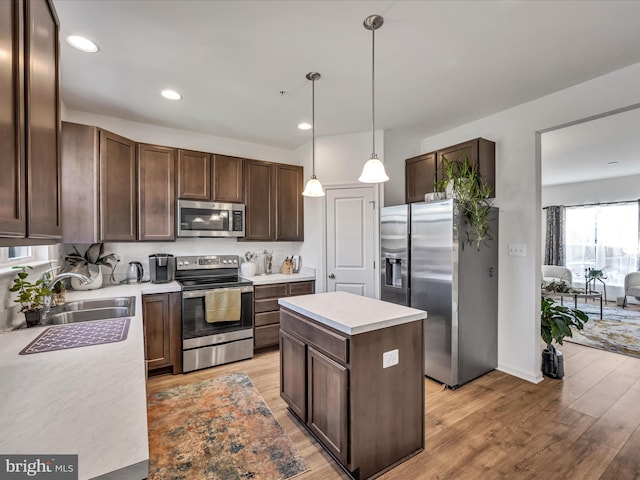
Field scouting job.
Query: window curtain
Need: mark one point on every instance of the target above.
(554, 250)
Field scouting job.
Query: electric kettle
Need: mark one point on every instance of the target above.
(135, 272)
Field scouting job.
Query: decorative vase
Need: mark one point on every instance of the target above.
(33, 317)
(248, 269)
(95, 273)
(448, 189)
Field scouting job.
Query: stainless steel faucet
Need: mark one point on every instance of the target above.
(84, 280)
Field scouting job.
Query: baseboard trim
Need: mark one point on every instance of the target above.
(533, 377)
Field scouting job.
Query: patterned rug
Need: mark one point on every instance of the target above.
(618, 331)
(218, 429)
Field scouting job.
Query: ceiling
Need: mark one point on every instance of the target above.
(439, 64)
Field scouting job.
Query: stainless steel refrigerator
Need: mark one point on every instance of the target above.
(428, 263)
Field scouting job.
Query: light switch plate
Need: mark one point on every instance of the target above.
(390, 358)
(517, 250)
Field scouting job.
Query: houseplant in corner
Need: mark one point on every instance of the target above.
(30, 296)
(472, 192)
(89, 264)
(555, 324)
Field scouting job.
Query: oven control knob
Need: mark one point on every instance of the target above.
(224, 261)
(186, 262)
(235, 260)
(179, 264)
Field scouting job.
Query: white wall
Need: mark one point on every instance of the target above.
(519, 199)
(398, 146)
(619, 189)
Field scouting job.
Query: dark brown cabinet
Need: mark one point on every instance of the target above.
(420, 177)
(194, 175)
(368, 416)
(118, 216)
(30, 203)
(481, 154)
(266, 311)
(289, 203)
(156, 193)
(228, 179)
(162, 332)
(260, 200)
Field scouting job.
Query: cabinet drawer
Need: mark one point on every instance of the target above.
(301, 288)
(268, 305)
(266, 336)
(333, 344)
(268, 318)
(270, 291)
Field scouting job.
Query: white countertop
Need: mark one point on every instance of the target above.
(89, 401)
(281, 278)
(351, 314)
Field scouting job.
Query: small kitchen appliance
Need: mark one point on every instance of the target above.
(135, 272)
(162, 267)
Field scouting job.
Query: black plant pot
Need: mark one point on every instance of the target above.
(33, 317)
(552, 362)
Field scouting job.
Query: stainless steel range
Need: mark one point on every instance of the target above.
(217, 311)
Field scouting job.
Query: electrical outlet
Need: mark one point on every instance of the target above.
(391, 358)
(517, 250)
(279, 255)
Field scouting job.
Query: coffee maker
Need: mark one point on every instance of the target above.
(162, 267)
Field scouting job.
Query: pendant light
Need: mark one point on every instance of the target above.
(373, 171)
(313, 188)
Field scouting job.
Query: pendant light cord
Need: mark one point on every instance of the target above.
(373, 86)
(313, 128)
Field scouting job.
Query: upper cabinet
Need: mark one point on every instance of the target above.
(420, 176)
(30, 200)
(422, 172)
(228, 179)
(210, 178)
(156, 193)
(289, 202)
(481, 154)
(260, 200)
(194, 175)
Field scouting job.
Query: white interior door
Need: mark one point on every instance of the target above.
(351, 240)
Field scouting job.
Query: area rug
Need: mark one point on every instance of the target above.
(218, 429)
(618, 331)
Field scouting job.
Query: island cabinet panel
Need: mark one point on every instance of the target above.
(266, 311)
(162, 332)
(42, 120)
(12, 166)
(290, 203)
(368, 416)
(156, 193)
(194, 175)
(420, 177)
(292, 379)
(327, 404)
(228, 179)
(117, 188)
(481, 154)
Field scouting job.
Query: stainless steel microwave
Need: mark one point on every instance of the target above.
(210, 219)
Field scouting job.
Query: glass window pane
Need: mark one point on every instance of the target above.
(580, 226)
(19, 252)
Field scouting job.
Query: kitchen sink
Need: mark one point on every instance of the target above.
(87, 310)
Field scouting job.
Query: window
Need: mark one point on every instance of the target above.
(15, 255)
(604, 237)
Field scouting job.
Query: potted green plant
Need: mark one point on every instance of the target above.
(89, 264)
(30, 296)
(555, 324)
(472, 192)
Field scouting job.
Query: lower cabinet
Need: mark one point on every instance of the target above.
(266, 310)
(368, 417)
(162, 322)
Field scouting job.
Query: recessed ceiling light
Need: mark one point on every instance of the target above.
(304, 126)
(613, 163)
(81, 43)
(171, 95)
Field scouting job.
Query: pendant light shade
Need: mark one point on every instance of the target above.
(373, 171)
(313, 188)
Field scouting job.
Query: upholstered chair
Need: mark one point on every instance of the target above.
(631, 286)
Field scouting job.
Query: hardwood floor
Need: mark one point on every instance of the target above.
(585, 426)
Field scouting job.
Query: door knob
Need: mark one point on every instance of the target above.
(331, 275)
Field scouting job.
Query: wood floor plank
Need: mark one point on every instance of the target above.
(496, 427)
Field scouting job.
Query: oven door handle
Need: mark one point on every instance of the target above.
(202, 293)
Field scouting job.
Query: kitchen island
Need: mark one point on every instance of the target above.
(351, 372)
(90, 401)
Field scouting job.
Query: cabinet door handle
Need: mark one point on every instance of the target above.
(331, 275)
